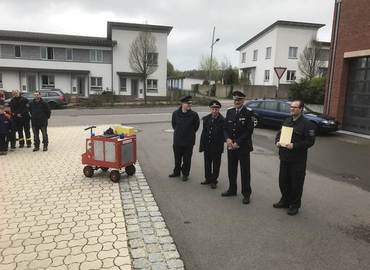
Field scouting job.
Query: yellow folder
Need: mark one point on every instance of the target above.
(286, 135)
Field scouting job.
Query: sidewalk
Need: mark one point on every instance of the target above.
(52, 217)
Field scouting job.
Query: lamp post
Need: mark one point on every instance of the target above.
(210, 62)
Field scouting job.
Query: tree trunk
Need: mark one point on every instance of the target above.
(145, 89)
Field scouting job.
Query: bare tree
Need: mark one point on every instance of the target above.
(143, 56)
(210, 67)
(310, 60)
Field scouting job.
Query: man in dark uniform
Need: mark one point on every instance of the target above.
(185, 123)
(293, 158)
(19, 107)
(40, 113)
(212, 143)
(238, 135)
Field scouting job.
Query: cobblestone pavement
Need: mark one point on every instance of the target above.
(52, 217)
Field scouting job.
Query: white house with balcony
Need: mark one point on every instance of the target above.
(278, 45)
(81, 65)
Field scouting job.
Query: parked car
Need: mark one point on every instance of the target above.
(272, 112)
(54, 97)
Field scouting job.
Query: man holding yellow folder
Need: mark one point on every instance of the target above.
(294, 139)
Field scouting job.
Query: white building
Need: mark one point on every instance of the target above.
(185, 83)
(81, 65)
(279, 45)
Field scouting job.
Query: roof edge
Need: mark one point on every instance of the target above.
(136, 27)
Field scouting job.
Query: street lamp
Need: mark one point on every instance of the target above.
(210, 62)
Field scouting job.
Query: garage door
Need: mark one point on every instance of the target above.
(357, 107)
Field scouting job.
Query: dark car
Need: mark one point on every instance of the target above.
(54, 97)
(272, 112)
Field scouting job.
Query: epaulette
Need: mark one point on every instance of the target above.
(230, 108)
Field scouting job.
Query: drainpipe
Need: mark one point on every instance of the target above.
(333, 53)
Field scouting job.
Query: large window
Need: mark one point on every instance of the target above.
(17, 51)
(47, 81)
(153, 59)
(255, 55)
(152, 85)
(96, 83)
(293, 51)
(244, 55)
(267, 75)
(69, 54)
(1, 80)
(268, 52)
(122, 84)
(96, 55)
(290, 75)
(270, 105)
(47, 53)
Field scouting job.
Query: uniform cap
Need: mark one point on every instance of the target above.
(187, 99)
(214, 104)
(238, 95)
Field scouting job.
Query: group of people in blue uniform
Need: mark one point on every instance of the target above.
(17, 117)
(236, 129)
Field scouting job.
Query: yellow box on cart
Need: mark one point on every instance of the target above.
(126, 130)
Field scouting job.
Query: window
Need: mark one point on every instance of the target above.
(270, 105)
(96, 83)
(17, 51)
(253, 105)
(290, 76)
(47, 81)
(96, 55)
(123, 84)
(255, 55)
(153, 59)
(284, 107)
(293, 52)
(267, 75)
(69, 54)
(152, 85)
(244, 55)
(47, 53)
(1, 80)
(52, 94)
(268, 52)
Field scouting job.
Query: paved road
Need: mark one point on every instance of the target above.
(211, 232)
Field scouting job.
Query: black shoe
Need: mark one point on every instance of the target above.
(36, 149)
(174, 175)
(228, 194)
(280, 204)
(21, 146)
(12, 148)
(185, 178)
(292, 211)
(206, 182)
(45, 148)
(246, 200)
(28, 146)
(213, 185)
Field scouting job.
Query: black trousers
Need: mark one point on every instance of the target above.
(36, 135)
(212, 163)
(182, 159)
(3, 144)
(291, 180)
(23, 125)
(11, 138)
(233, 158)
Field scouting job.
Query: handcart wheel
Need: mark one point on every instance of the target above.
(88, 171)
(115, 176)
(104, 169)
(130, 170)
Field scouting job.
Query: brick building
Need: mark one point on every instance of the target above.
(348, 86)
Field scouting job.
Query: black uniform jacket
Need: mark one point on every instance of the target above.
(212, 138)
(40, 113)
(19, 105)
(239, 128)
(185, 125)
(303, 138)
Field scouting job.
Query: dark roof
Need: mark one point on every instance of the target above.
(281, 23)
(55, 38)
(136, 27)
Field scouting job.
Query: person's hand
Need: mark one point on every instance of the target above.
(19, 115)
(289, 146)
(278, 144)
(235, 146)
(229, 141)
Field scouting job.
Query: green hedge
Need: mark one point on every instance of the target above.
(310, 91)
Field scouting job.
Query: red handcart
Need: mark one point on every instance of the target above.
(109, 152)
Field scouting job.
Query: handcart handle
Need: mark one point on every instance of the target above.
(91, 128)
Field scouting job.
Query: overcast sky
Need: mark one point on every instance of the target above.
(235, 20)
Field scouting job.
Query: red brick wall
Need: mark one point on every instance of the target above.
(353, 35)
